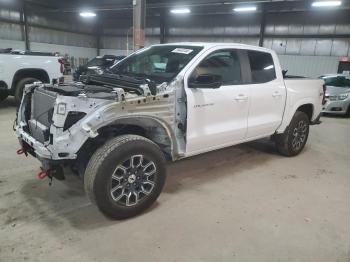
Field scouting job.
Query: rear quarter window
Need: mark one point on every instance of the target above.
(262, 67)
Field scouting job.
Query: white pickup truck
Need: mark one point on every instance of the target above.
(20, 68)
(166, 102)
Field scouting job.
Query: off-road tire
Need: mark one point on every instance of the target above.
(20, 87)
(284, 142)
(3, 96)
(103, 164)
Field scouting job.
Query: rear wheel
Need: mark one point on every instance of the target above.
(20, 87)
(294, 138)
(125, 176)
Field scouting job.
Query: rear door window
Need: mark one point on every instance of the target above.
(262, 67)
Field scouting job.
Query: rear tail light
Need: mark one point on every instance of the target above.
(60, 60)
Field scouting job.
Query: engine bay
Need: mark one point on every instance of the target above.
(76, 89)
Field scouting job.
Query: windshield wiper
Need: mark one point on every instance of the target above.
(152, 85)
(116, 81)
(139, 78)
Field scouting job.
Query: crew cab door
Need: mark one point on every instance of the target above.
(217, 117)
(268, 94)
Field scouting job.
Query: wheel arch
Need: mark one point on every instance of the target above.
(308, 109)
(152, 128)
(37, 73)
(149, 127)
(306, 106)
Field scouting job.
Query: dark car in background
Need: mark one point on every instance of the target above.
(99, 62)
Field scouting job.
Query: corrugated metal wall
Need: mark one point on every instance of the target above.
(70, 38)
(310, 33)
(10, 31)
(17, 45)
(298, 38)
(310, 46)
(50, 36)
(310, 66)
(302, 34)
(75, 51)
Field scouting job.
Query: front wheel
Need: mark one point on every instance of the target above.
(294, 138)
(125, 176)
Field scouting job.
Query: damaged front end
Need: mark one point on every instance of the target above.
(45, 120)
(141, 95)
(54, 121)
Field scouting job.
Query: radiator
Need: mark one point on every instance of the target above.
(42, 106)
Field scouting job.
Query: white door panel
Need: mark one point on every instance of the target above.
(266, 108)
(216, 116)
(268, 94)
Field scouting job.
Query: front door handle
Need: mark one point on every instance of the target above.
(241, 98)
(276, 94)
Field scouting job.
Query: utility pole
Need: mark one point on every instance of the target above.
(162, 26)
(262, 27)
(98, 36)
(24, 23)
(139, 23)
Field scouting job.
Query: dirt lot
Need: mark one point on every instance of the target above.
(244, 203)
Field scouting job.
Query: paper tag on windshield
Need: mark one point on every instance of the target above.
(182, 51)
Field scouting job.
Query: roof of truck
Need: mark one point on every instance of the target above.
(209, 45)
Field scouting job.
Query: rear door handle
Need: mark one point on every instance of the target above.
(276, 94)
(241, 98)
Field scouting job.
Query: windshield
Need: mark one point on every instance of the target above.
(158, 63)
(339, 81)
(97, 61)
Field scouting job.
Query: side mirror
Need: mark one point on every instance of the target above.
(284, 73)
(205, 81)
